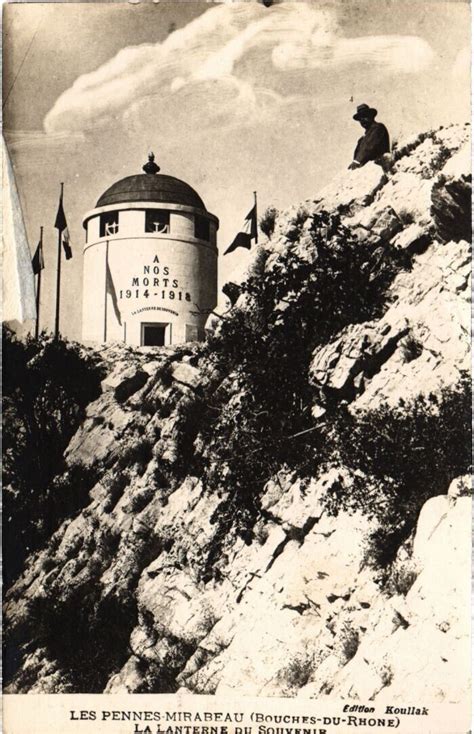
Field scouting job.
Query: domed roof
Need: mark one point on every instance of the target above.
(157, 188)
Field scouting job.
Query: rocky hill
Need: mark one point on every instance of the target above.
(282, 511)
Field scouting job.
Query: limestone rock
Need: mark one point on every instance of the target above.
(459, 165)
(352, 188)
(434, 638)
(451, 208)
(413, 239)
(417, 346)
(96, 438)
(127, 680)
(294, 609)
(338, 369)
(186, 374)
(130, 384)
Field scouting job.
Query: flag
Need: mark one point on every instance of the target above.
(38, 259)
(61, 225)
(248, 232)
(17, 272)
(111, 289)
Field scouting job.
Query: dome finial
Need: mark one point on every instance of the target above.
(151, 167)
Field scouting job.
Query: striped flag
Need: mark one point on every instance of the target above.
(61, 225)
(247, 233)
(111, 289)
(17, 272)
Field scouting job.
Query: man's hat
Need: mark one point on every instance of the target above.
(363, 110)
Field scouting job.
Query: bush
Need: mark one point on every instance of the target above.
(400, 457)
(140, 500)
(66, 495)
(47, 383)
(256, 268)
(82, 628)
(255, 416)
(138, 453)
(401, 579)
(347, 642)
(298, 671)
(95, 632)
(268, 221)
(411, 347)
(115, 486)
(296, 225)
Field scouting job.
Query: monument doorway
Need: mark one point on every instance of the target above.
(154, 335)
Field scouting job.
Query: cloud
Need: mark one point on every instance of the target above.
(408, 54)
(224, 65)
(34, 140)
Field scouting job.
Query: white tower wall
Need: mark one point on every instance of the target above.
(166, 281)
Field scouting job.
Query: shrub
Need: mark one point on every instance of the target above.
(411, 347)
(401, 579)
(232, 291)
(81, 627)
(298, 671)
(138, 453)
(296, 225)
(115, 486)
(255, 416)
(140, 500)
(268, 220)
(386, 675)
(95, 631)
(442, 155)
(47, 383)
(64, 497)
(400, 152)
(348, 642)
(400, 457)
(256, 268)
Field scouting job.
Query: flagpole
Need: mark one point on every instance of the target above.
(256, 220)
(58, 278)
(105, 300)
(38, 287)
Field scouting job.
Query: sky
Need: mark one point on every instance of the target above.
(231, 96)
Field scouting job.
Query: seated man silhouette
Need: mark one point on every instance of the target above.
(375, 142)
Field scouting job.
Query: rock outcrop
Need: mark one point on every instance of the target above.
(294, 610)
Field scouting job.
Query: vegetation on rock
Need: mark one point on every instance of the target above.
(257, 401)
(46, 386)
(399, 457)
(247, 472)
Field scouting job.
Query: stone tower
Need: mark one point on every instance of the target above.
(150, 262)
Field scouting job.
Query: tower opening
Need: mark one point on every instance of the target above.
(157, 220)
(154, 335)
(109, 224)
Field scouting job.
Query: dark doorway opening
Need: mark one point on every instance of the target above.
(153, 335)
